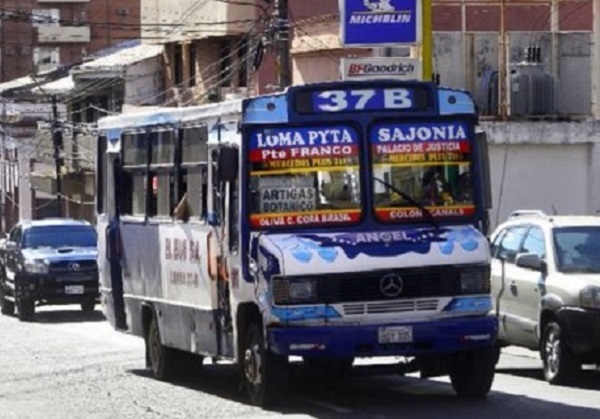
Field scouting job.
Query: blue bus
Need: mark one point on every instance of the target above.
(329, 222)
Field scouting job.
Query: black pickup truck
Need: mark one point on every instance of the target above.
(48, 262)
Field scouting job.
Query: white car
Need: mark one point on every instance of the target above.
(546, 289)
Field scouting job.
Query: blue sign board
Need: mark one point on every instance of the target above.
(371, 98)
(380, 22)
(362, 100)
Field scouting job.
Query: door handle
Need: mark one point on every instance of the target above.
(513, 286)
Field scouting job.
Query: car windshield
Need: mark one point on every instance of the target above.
(59, 236)
(577, 249)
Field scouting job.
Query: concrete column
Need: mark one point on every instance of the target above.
(596, 61)
(185, 63)
(24, 182)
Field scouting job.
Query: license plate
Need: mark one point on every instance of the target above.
(74, 289)
(395, 334)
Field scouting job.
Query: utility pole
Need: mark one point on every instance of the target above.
(427, 40)
(503, 73)
(57, 140)
(282, 43)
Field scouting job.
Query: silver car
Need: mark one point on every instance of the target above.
(546, 289)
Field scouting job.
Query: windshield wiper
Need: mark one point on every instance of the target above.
(410, 199)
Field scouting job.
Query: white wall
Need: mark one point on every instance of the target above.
(194, 19)
(143, 82)
(547, 166)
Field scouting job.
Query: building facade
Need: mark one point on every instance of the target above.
(209, 46)
(40, 35)
(480, 46)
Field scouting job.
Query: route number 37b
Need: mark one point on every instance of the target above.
(363, 99)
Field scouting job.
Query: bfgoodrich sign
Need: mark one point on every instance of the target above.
(380, 22)
(399, 68)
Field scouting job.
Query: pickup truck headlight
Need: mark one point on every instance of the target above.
(590, 297)
(295, 291)
(36, 266)
(475, 281)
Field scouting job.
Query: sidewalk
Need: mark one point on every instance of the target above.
(520, 352)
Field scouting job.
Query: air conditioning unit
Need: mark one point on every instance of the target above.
(123, 11)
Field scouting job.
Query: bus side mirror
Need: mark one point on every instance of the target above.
(228, 164)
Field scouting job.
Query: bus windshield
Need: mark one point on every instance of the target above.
(429, 162)
(303, 176)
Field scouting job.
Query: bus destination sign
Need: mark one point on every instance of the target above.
(362, 99)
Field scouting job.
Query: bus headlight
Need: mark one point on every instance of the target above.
(303, 291)
(475, 281)
(294, 291)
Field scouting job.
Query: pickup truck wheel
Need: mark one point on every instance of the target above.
(163, 360)
(88, 305)
(6, 307)
(25, 308)
(560, 365)
(265, 374)
(473, 373)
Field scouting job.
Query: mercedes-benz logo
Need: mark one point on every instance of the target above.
(74, 266)
(391, 285)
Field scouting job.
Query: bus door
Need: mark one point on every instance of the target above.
(224, 218)
(109, 198)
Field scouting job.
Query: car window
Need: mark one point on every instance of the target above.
(534, 242)
(577, 249)
(15, 235)
(511, 243)
(496, 243)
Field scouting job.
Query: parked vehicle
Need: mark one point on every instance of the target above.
(50, 261)
(546, 289)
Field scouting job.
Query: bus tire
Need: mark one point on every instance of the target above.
(473, 372)
(265, 374)
(162, 360)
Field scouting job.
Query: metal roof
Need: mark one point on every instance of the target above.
(120, 59)
(16, 83)
(64, 85)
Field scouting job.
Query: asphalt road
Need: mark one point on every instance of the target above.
(71, 365)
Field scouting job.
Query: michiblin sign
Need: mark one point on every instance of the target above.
(380, 22)
(398, 68)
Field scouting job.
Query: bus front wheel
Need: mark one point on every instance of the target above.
(472, 373)
(265, 374)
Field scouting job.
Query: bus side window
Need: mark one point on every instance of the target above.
(192, 172)
(132, 200)
(101, 175)
(162, 173)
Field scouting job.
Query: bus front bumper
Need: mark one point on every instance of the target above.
(403, 339)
